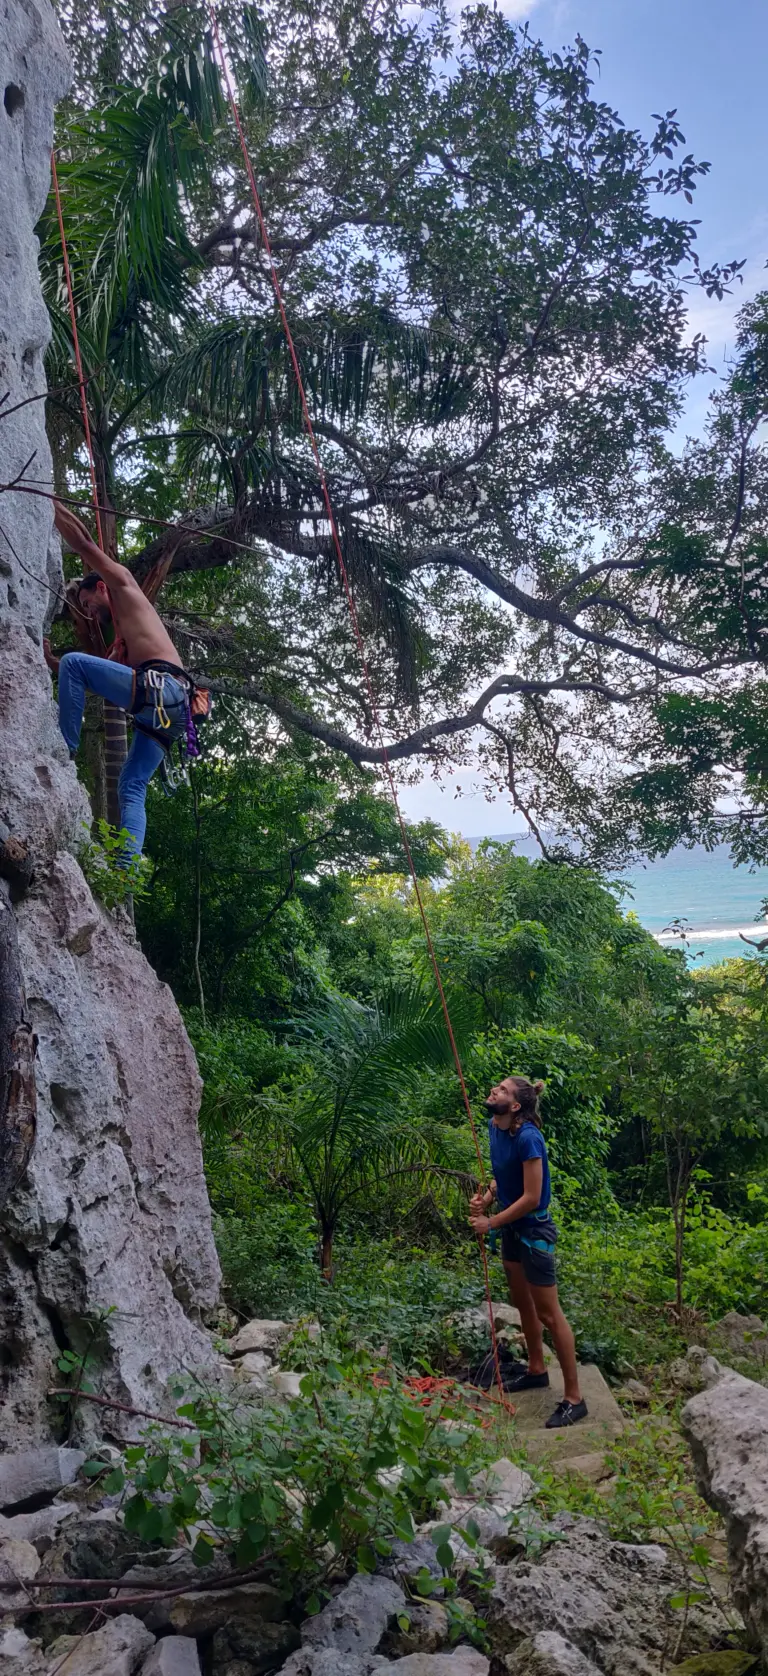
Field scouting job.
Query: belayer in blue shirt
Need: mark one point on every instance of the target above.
(521, 1186)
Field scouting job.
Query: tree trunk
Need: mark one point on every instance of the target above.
(326, 1254)
(93, 751)
(198, 894)
(115, 752)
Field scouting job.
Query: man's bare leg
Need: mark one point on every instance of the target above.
(547, 1307)
(522, 1297)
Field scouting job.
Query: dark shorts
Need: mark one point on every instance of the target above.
(538, 1266)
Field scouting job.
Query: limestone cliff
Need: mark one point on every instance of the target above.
(113, 1212)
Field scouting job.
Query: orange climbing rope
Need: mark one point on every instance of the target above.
(76, 348)
(344, 575)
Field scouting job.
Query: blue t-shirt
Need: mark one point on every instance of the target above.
(508, 1154)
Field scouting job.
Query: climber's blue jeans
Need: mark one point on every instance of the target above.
(78, 673)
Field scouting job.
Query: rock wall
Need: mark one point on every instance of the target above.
(727, 1428)
(113, 1214)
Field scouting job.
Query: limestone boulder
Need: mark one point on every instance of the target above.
(326, 1661)
(609, 1599)
(113, 1217)
(256, 1645)
(19, 1563)
(207, 1610)
(357, 1618)
(26, 1475)
(695, 1370)
(39, 1527)
(495, 1495)
(549, 1654)
(727, 1429)
(427, 1630)
(264, 1336)
(175, 1655)
(116, 1650)
(745, 1336)
(20, 1655)
(463, 1661)
(322, 1661)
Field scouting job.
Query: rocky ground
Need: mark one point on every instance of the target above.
(572, 1602)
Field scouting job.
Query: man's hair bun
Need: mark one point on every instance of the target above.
(539, 1087)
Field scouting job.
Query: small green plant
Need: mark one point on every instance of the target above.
(78, 1366)
(113, 874)
(301, 1490)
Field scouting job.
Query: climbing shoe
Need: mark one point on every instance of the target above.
(566, 1414)
(525, 1381)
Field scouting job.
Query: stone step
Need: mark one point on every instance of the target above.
(602, 1426)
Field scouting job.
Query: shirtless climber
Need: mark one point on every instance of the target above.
(141, 673)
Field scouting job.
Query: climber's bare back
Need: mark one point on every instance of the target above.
(136, 621)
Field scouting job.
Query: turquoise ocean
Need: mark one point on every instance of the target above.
(699, 888)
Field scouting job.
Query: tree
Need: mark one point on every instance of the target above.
(349, 1123)
(251, 863)
(489, 311)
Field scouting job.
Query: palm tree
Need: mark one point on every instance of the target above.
(354, 1124)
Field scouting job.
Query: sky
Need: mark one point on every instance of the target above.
(708, 60)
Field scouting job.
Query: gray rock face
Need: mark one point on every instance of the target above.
(255, 1646)
(609, 1599)
(36, 1472)
(355, 1620)
(116, 1650)
(326, 1661)
(258, 1335)
(40, 1527)
(114, 1211)
(549, 1654)
(465, 1661)
(727, 1428)
(211, 1609)
(177, 1655)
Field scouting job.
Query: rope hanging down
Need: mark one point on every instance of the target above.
(344, 575)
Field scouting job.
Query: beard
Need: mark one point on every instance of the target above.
(494, 1108)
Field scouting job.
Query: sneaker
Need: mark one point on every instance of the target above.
(566, 1414)
(525, 1381)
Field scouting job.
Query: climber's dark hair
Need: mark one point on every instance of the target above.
(527, 1095)
(88, 584)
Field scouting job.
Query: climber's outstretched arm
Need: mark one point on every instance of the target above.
(76, 536)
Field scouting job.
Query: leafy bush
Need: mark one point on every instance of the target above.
(268, 1258)
(303, 1489)
(113, 878)
(574, 1120)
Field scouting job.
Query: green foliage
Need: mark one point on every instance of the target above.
(114, 876)
(276, 1489)
(573, 1114)
(251, 863)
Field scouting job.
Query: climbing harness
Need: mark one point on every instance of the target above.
(170, 716)
(352, 608)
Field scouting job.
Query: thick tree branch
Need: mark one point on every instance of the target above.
(421, 738)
